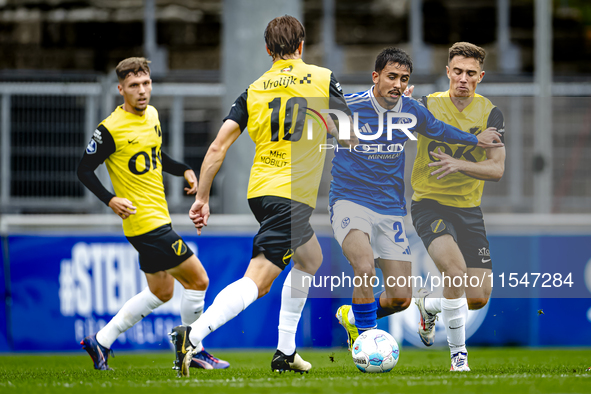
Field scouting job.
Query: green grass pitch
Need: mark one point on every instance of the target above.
(496, 370)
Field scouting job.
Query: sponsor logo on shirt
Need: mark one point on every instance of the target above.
(97, 136)
(307, 78)
(283, 81)
(483, 252)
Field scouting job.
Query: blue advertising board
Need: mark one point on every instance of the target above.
(71, 286)
(68, 286)
(4, 345)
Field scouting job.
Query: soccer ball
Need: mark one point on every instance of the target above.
(375, 351)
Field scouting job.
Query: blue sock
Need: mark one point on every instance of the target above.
(365, 316)
(381, 312)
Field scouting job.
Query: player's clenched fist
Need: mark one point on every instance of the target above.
(199, 213)
(122, 207)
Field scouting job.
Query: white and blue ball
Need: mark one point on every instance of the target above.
(375, 351)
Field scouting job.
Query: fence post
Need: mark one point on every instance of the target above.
(515, 153)
(177, 143)
(89, 126)
(5, 150)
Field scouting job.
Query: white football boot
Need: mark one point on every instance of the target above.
(427, 320)
(459, 362)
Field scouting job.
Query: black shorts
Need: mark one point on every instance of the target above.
(160, 249)
(285, 225)
(466, 225)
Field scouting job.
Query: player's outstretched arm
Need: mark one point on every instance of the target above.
(434, 128)
(229, 132)
(491, 169)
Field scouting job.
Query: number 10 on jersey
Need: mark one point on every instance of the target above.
(290, 118)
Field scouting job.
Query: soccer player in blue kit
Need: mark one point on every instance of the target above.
(366, 200)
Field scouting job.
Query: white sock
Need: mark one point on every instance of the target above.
(433, 305)
(134, 310)
(235, 298)
(453, 313)
(351, 316)
(192, 302)
(293, 299)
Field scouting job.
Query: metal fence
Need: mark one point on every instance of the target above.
(44, 128)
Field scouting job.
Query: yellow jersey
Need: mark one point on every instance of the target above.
(131, 147)
(281, 111)
(456, 190)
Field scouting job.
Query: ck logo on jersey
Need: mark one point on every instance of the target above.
(287, 256)
(462, 151)
(91, 148)
(179, 247)
(345, 222)
(153, 163)
(438, 226)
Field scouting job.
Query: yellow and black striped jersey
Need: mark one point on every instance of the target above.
(131, 147)
(278, 109)
(456, 190)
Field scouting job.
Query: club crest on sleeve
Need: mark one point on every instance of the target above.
(91, 148)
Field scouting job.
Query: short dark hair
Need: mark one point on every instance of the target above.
(393, 55)
(134, 65)
(467, 50)
(283, 35)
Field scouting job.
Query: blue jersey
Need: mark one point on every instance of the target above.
(372, 174)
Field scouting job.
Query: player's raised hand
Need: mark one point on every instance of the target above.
(489, 138)
(192, 180)
(122, 207)
(199, 213)
(448, 165)
(408, 91)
